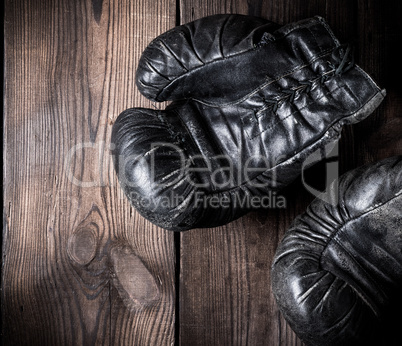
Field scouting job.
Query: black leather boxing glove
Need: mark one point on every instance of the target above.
(337, 274)
(251, 100)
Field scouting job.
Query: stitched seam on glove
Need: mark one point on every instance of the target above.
(252, 136)
(330, 134)
(270, 81)
(310, 24)
(309, 84)
(326, 134)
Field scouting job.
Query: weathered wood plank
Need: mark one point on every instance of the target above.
(225, 290)
(225, 293)
(379, 34)
(80, 265)
(380, 135)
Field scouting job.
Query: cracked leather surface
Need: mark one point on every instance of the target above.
(251, 100)
(337, 274)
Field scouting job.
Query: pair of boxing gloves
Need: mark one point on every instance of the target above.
(252, 101)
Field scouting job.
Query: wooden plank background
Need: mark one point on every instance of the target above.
(80, 266)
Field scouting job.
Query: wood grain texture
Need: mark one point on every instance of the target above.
(80, 266)
(225, 289)
(379, 35)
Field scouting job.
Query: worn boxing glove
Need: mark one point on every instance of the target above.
(251, 99)
(337, 274)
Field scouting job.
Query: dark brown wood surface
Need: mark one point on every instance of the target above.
(80, 266)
